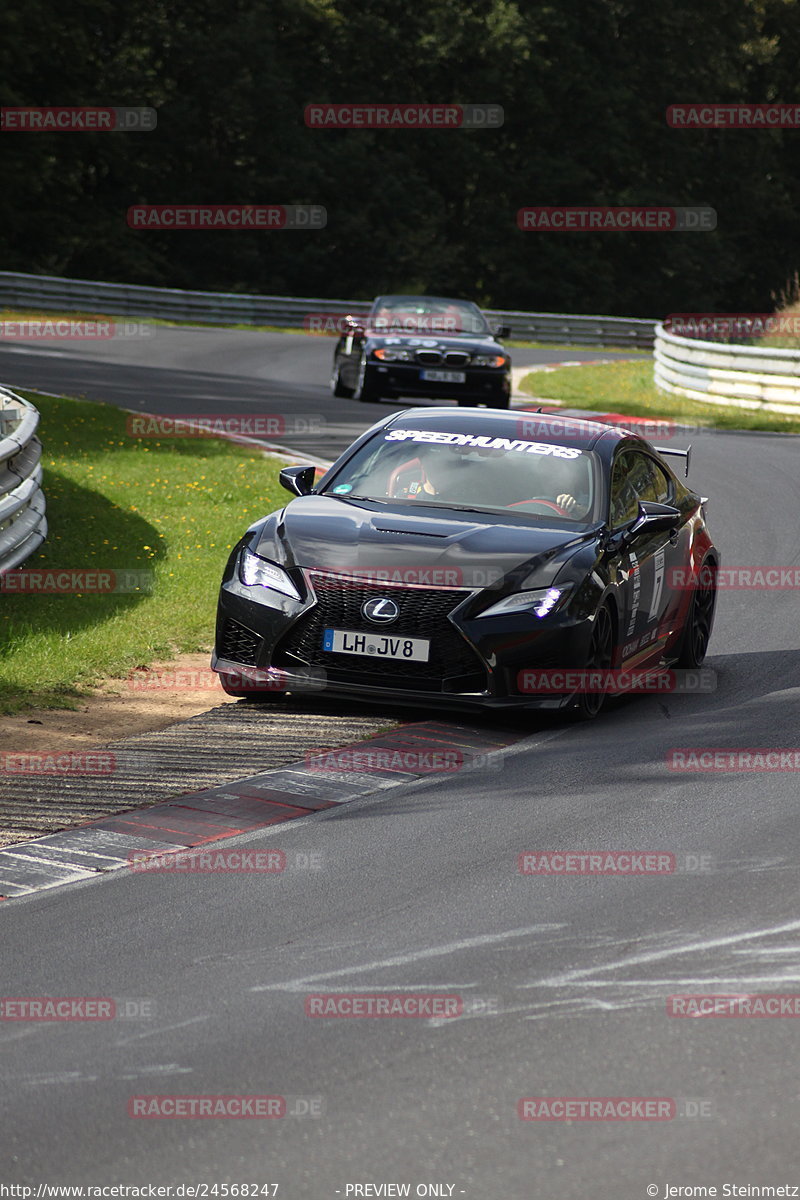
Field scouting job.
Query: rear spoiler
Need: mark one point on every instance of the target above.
(687, 454)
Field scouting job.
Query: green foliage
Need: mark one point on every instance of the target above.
(584, 84)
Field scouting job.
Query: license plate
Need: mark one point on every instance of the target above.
(444, 376)
(376, 645)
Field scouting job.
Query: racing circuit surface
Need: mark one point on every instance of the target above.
(562, 981)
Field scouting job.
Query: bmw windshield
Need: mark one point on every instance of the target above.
(427, 314)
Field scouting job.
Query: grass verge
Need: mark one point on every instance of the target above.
(627, 387)
(173, 507)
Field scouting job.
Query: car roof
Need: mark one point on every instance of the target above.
(516, 423)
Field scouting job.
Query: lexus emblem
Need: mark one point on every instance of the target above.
(380, 610)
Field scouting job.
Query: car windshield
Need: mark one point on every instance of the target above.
(425, 314)
(471, 471)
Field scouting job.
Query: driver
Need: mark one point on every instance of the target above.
(561, 481)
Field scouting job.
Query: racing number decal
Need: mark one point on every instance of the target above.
(658, 585)
(636, 575)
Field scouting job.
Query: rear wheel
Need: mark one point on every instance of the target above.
(601, 652)
(697, 630)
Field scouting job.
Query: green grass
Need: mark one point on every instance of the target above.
(627, 387)
(172, 506)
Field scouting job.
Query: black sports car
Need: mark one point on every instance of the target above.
(471, 558)
(423, 346)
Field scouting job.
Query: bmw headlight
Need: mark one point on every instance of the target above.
(488, 360)
(255, 571)
(539, 601)
(387, 354)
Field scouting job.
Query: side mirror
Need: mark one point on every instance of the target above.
(502, 331)
(654, 518)
(297, 480)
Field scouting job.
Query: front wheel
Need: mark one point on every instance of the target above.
(366, 391)
(601, 652)
(337, 387)
(700, 619)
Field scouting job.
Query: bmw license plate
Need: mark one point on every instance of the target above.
(376, 645)
(444, 376)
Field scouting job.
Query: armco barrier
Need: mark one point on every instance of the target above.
(54, 294)
(23, 525)
(752, 377)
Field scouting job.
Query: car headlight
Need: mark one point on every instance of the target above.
(386, 354)
(489, 360)
(255, 571)
(539, 601)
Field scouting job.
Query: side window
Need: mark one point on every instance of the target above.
(624, 500)
(636, 477)
(663, 485)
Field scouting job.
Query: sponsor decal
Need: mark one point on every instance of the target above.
(482, 441)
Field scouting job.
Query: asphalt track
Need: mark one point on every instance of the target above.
(563, 981)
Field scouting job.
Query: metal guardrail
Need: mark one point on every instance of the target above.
(753, 377)
(23, 525)
(55, 294)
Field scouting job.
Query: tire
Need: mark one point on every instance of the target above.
(503, 402)
(700, 618)
(366, 391)
(232, 686)
(338, 388)
(600, 657)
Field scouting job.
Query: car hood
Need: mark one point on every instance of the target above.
(435, 546)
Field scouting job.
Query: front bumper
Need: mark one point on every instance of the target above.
(405, 379)
(477, 662)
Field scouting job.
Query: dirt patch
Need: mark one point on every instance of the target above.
(151, 699)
